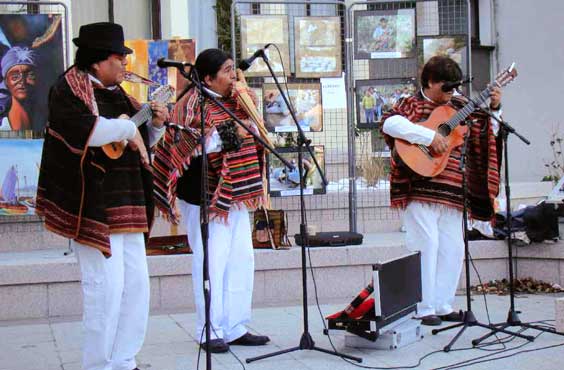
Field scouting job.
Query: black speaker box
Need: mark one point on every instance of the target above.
(331, 239)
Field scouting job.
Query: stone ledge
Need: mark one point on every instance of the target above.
(53, 266)
(46, 283)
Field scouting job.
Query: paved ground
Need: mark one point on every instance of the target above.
(43, 345)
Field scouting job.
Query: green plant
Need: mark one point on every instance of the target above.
(223, 17)
(555, 166)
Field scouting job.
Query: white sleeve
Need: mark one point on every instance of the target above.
(213, 144)
(155, 133)
(401, 128)
(495, 123)
(110, 130)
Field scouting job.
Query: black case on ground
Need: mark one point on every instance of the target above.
(331, 239)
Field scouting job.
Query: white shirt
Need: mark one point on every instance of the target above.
(400, 127)
(109, 130)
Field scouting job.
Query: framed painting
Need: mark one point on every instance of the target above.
(306, 100)
(374, 98)
(19, 173)
(283, 181)
(318, 47)
(453, 47)
(384, 34)
(32, 58)
(259, 30)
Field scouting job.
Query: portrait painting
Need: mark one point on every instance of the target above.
(256, 32)
(283, 181)
(384, 34)
(19, 173)
(374, 98)
(31, 59)
(318, 46)
(305, 100)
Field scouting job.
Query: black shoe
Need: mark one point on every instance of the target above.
(452, 317)
(216, 346)
(431, 320)
(249, 339)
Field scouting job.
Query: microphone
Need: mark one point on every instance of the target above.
(167, 63)
(448, 86)
(246, 63)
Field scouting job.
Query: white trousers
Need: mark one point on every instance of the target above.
(116, 302)
(231, 269)
(436, 231)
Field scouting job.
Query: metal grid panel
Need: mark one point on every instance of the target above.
(327, 211)
(371, 195)
(453, 17)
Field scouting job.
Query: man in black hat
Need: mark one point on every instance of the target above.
(104, 205)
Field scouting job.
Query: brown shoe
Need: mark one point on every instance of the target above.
(431, 320)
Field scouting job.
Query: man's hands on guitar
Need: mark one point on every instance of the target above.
(495, 96)
(137, 144)
(439, 144)
(160, 114)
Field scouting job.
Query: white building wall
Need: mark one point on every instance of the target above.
(531, 33)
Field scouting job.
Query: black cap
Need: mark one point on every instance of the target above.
(102, 36)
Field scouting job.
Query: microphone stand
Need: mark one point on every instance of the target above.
(512, 316)
(306, 341)
(468, 317)
(204, 94)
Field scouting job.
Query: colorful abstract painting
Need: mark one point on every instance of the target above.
(157, 50)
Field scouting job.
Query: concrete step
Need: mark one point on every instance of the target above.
(46, 283)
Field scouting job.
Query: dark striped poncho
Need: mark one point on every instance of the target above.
(234, 177)
(81, 193)
(482, 170)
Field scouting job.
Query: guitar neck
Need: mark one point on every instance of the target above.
(462, 114)
(142, 116)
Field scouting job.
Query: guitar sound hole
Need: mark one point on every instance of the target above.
(444, 129)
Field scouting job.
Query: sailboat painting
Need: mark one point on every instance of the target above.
(19, 172)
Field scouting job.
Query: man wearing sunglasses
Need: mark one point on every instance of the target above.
(433, 206)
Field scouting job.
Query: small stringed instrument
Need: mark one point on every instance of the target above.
(446, 121)
(161, 95)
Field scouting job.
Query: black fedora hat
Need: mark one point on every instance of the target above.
(102, 36)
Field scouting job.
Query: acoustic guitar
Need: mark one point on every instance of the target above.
(446, 121)
(161, 95)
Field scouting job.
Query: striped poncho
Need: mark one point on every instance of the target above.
(234, 177)
(482, 170)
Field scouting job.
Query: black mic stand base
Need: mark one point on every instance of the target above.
(469, 320)
(513, 321)
(306, 343)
